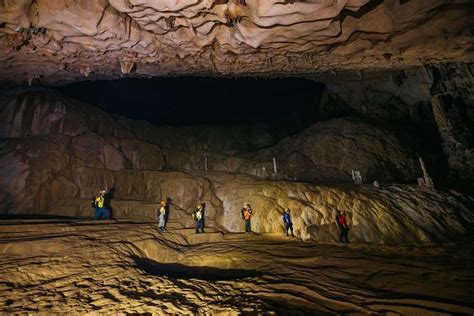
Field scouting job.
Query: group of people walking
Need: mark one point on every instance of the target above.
(198, 215)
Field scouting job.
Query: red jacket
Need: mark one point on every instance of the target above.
(341, 220)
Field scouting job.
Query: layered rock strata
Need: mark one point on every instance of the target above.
(79, 267)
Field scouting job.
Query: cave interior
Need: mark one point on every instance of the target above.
(357, 107)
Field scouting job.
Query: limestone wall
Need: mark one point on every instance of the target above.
(55, 156)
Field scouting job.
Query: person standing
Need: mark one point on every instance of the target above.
(100, 209)
(341, 222)
(246, 213)
(198, 217)
(288, 223)
(161, 214)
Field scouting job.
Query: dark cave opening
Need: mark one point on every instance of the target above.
(305, 124)
(186, 101)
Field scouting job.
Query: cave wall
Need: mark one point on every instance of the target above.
(382, 93)
(437, 99)
(57, 153)
(452, 100)
(382, 109)
(325, 152)
(328, 151)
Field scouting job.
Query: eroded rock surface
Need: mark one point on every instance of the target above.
(68, 40)
(56, 156)
(328, 151)
(439, 100)
(325, 152)
(73, 266)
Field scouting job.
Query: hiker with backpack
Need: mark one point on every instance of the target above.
(198, 216)
(246, 213)
(99, 205)
(287, 221)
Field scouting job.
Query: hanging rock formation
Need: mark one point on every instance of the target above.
(65, 40)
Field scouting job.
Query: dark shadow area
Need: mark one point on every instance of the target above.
(15, 219)
(42, 219)
(109, 196)
(179, 271)
(36, 216)
(188, 101)
(365, 9)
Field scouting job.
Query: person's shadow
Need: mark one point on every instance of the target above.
(203, 214)
(109, 196)
(169, 202)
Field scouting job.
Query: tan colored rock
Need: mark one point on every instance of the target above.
(113, 159)
(226, 37)
(49, 169)
(128, 266)
(143, 155)
(386, 215)
(56, 192)
(25, 165)
(394, 214)
(89, 151)
(328, 151)
(126, 66)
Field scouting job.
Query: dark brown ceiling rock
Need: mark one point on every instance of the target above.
(67, 40)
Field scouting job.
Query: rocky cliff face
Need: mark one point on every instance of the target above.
(325, 152)
(56, 154)
(439, 100)
(328, 152)
(68, 40)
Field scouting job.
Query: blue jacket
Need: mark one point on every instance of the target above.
(287, 218)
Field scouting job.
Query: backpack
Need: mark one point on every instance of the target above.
(242, 213)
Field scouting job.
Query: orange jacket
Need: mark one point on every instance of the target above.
(247, 213)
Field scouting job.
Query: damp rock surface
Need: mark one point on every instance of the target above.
(67, 265)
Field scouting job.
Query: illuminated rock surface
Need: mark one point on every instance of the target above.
(77, 266)
(397, 79)
(57, 155)
(56, 41)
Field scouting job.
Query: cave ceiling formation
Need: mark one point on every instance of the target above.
(67, 40)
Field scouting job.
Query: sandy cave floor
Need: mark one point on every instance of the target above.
(124, 265)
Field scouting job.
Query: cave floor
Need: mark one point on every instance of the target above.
(82, 266)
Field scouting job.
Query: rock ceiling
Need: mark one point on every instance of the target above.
(67, 40)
